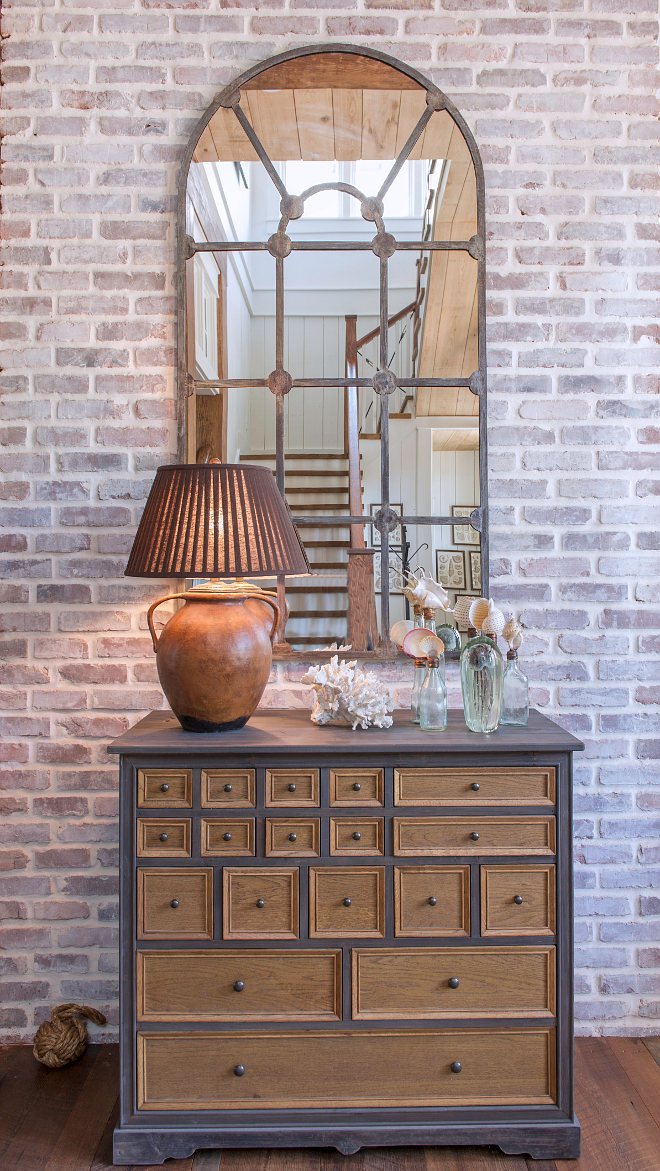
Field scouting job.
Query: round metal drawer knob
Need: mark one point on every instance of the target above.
(239, 1070)
(433, 902)
(293, 837)
(518, 899)
(174, 903)
(238, 986)
(356, 836)
(475, 786)
(163, 837)
(260, 903)
(456, 1067)
(227, 788)
(347, 902)
(291, 788)
(453, 983)
(164, 788)
(357, 786)
(226, 837)
(474, 836)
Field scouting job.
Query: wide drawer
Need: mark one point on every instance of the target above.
(259, 903)
(517, 900)
(253, 1071)
(473, 835)
(174, 903)
(425, 983)
(346, 902)
(238, 985)
(431, 900)
(471, 786)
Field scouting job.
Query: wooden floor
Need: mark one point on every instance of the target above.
(62, 1120)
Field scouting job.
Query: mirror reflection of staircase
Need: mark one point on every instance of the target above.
(316, 483)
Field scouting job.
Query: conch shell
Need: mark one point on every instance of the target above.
(427, 593)
(512, 633)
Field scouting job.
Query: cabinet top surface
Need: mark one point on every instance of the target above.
(292, 732)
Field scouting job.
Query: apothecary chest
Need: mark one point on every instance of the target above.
(337, 938)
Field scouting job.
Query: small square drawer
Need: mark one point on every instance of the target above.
(260, 903)
(347, 902)
(356, 835)
(431, 900)
(232, 836)
(292, 786)
(356, 786)
(289, 837)
(163, 837)
(228, 786)
(470, 786)
(474, 835)
(517, 900)
(174, 903)
(164, 788)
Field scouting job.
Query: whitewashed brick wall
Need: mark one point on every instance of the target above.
(98, 99)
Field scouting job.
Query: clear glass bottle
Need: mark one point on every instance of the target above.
(418, 616)
(433, 700)
(429, 624)
(515, 692)
(418, 679)
(481, 682)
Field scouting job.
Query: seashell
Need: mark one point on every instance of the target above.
(347, 694)
(517, 641)
(477, 612)
(462, 609)
(512, 633)
(400, 630)
(493, 623)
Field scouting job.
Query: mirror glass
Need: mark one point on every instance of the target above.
(339, 125)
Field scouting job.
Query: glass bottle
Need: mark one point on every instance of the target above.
(433, 700)
(515, 692)
(481, 682)
(428, 614)
(420, 673)
(418, 616)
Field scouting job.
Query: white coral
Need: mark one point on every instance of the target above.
(344, 692)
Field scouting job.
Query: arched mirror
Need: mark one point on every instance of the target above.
(331, 325)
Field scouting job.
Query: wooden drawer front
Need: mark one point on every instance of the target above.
(454, 835)
(292, 786)
(502, 885)
(356, 835)
(311, 1069)
(192, 893)
(164, 788)
(233, 836)
(431, 900)
(203, 985)
(356, 786)
(472, 786)
(289, 837)
(228, 786)
(331, 887)
(243, 893)
(163, 837)
(414, 983)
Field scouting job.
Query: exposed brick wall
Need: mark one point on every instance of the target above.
(98, 99)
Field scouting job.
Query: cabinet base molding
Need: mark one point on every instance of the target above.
(151, 1146)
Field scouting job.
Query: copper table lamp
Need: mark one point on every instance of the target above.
(218, 521)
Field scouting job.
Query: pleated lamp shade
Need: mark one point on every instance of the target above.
(215, 520)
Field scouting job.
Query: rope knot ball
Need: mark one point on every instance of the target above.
(64, 1037)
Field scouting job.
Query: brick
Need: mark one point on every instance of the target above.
(86, 779)
(60, 962)
(58, 858)
(61, 910)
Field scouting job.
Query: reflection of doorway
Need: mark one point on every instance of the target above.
(210, 357)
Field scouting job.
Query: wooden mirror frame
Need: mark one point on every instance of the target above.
(384, 382)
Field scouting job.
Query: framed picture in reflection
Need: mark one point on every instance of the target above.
(396, 536)
(396, 581)
(450, 568)
(475, 569)
(465, 534)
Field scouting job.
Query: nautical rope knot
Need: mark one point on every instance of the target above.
(64, 1037)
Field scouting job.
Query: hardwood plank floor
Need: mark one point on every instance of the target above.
(62, 1120)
